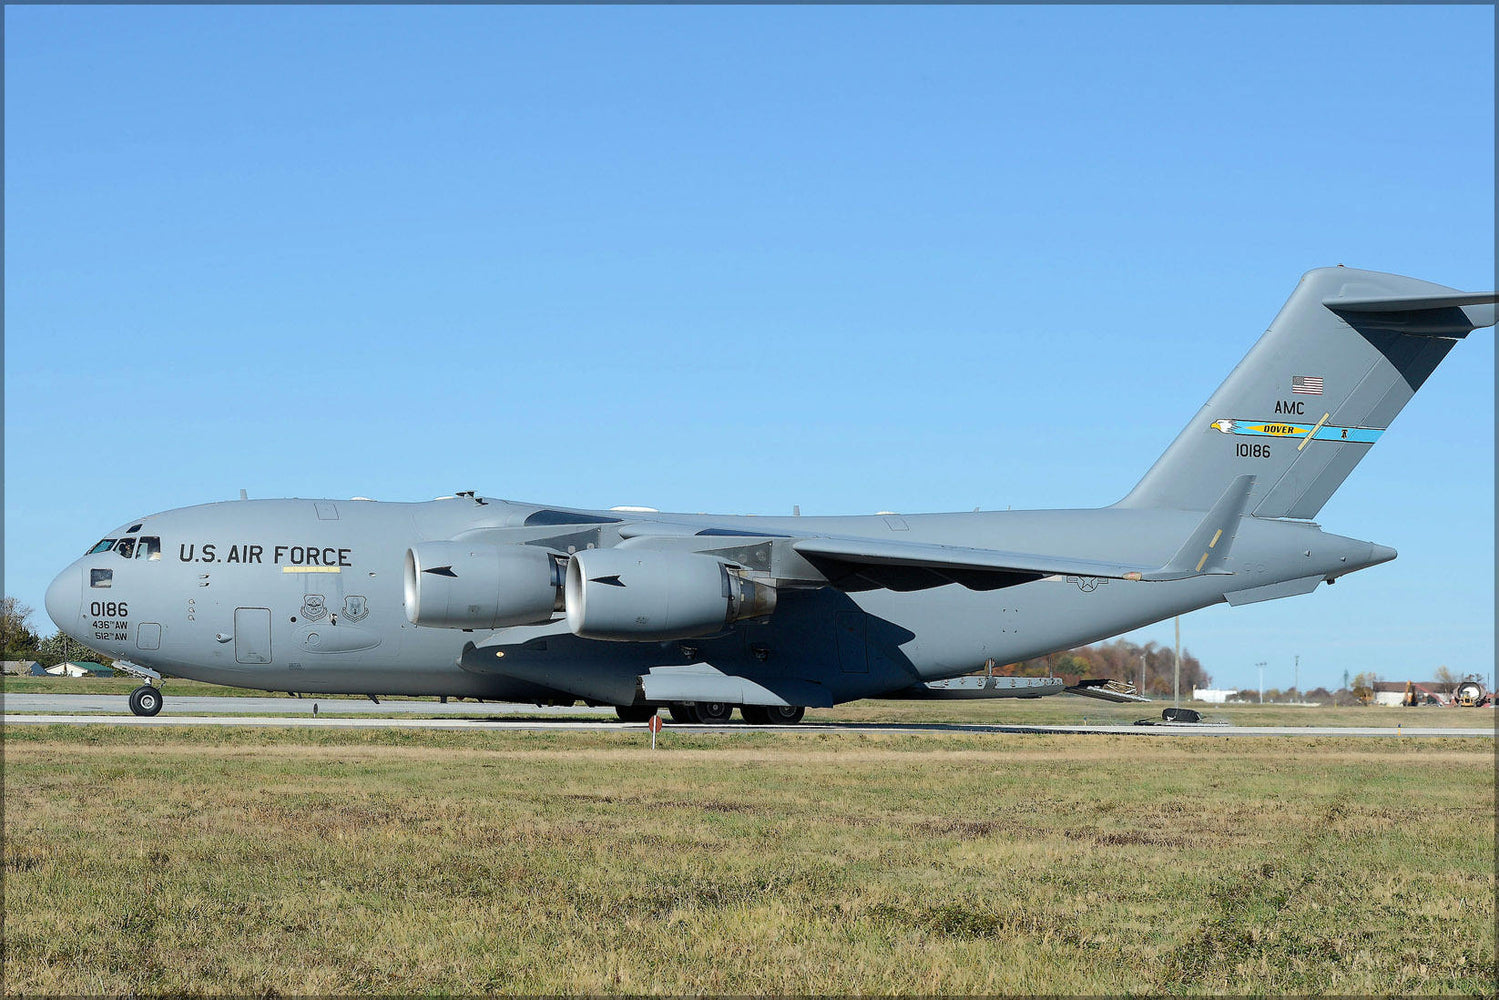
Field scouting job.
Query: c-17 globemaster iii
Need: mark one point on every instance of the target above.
(475, 597)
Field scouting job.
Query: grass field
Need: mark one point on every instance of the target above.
(302, 862)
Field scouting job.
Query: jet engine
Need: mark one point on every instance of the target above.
(628, 594)
(477, 585)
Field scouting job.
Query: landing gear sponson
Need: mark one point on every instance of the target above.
(714, 713)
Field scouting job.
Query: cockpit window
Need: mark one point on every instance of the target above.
(148, 547)
(126, 548)
(104, 546)
(100, 578)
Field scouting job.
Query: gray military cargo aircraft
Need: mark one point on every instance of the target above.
(482, 598)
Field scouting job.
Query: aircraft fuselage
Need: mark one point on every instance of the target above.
(307, 596)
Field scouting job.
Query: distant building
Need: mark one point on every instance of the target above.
(1213, 696)
(1427, 693)
(16, 666)
(71, 669)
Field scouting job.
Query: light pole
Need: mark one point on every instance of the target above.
(1296, 682)
(1261, 665)
(1176, 678)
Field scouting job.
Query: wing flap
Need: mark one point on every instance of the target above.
(919, 565)
(863, 563)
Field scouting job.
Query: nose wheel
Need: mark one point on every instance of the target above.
(145, 700)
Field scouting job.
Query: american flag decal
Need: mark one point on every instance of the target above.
(1307, 385)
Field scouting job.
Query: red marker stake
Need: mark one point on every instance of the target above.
(655, 727)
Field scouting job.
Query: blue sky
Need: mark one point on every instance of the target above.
(736, 259)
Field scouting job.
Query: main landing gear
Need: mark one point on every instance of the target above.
(145, 700)
(772, 715)
(702, 713)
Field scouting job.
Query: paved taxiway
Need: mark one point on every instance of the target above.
(119, 704)
(535, 725)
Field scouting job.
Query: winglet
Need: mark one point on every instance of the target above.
(1206, 549)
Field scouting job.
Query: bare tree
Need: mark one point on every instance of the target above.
(15, 635)
(1120, 660)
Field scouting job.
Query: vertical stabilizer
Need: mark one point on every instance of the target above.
(1310, 399)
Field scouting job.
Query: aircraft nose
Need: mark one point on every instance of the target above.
(65, 598)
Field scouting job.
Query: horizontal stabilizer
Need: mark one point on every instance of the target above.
(1448, 314)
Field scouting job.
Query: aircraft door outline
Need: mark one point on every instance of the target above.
(252, 635)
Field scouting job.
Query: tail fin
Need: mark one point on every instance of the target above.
(1344, 356)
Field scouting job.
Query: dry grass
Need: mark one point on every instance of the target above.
(311, 862)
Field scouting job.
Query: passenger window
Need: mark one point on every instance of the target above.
(126, 548)
(148, 547)
(104, 546)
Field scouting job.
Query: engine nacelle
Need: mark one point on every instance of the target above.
(477, 585)
(636, 594)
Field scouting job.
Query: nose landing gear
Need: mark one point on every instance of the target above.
(145, 700)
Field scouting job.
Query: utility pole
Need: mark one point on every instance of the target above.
(1141, 688)
(1296, 682)
(1176, 681)
(1261, 665)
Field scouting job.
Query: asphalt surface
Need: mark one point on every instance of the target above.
(46, 709)
(119, 704)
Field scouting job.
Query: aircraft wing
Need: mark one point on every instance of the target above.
(916, 565)
(861, 563)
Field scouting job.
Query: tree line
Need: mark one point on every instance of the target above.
(20, 642)
(1148, 667)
